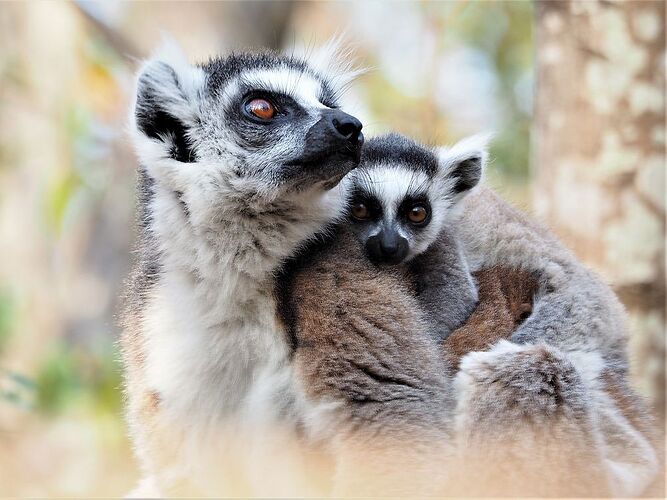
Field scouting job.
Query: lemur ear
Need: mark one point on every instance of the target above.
(168, 96)
(463, 164)
(334, 62)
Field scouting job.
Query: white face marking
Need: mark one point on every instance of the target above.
(299, 85)
(391, 184)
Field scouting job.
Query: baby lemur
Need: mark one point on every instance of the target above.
(363, 307)
(401, 203)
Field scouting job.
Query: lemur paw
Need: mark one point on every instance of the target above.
(534, 382)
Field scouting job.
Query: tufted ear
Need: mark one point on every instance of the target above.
(334, 62)
(168, 96)
(462, 165)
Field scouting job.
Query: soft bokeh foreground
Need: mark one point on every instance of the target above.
(439, 71)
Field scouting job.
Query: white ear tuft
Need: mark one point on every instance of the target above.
(169, 52)
(334, 61)
(477, 144)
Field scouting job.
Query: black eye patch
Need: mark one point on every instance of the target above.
(254, 133)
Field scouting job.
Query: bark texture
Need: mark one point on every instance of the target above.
(600, 155)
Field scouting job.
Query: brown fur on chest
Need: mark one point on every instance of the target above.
(505, 301)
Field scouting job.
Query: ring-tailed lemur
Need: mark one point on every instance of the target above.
(240, 163)
(362, 352)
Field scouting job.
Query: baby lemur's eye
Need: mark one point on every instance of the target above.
(261, 108)
(417, 214)
(360, 211)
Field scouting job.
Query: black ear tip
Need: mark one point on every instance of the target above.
(157, 87)
(467, 173)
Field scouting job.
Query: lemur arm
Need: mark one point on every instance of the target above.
(555, 403)
(444, 287)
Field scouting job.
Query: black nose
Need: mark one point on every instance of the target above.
(347, 126)
(389, 242)
(387, 247)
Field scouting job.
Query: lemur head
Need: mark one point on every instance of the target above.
(403, 193)
(255, 125)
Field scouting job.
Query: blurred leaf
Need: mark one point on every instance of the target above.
(72, 376)
(57, 381)
(17, 389)
(12, 397)
(23, 381)
(7, 317)
(57, 198)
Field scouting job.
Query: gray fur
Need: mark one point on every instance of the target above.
(224, 199)
(573, 309)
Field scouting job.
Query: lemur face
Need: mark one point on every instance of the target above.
(403, 193)
(269, 124)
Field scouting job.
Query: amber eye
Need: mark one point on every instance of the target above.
(417, 214)
(261, 108)
(360, 211)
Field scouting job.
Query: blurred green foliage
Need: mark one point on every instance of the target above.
(17, 389)
(65, 182)
(7, 316)
(69, 376)
(504, 30)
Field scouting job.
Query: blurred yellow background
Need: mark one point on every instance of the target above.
(438, 71)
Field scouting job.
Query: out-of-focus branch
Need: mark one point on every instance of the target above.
(259, 23)
(126, 49)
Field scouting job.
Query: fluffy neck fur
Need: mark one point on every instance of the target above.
(211, 319)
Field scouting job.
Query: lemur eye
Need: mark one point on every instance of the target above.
(417, 214)
(360, 211)
(261, 108)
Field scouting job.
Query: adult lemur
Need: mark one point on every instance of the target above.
(240, 163)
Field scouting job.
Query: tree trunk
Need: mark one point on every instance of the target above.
(599, 155)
